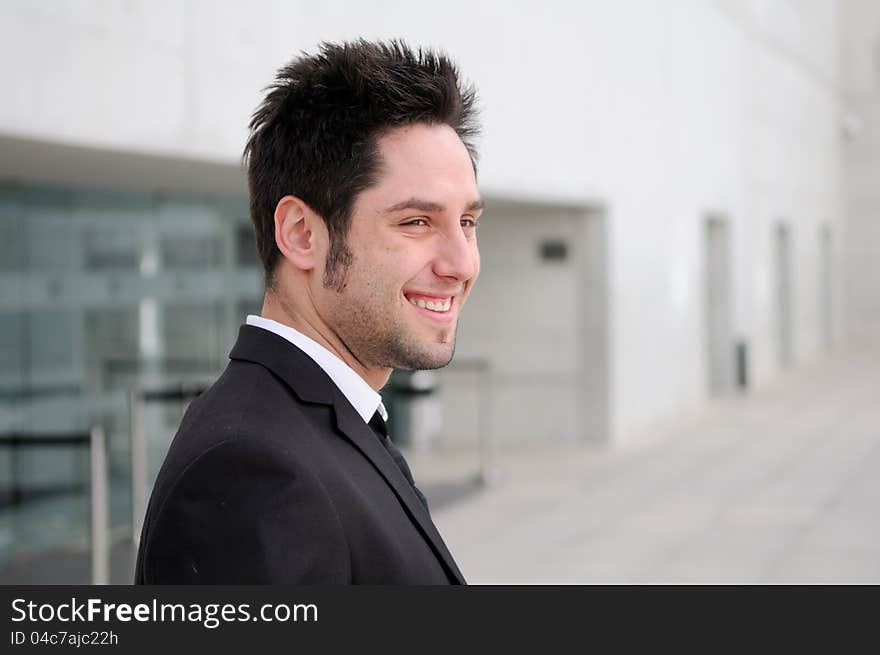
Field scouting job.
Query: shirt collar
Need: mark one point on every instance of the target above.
(361, 395)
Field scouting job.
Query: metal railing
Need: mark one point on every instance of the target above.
(100, 513)
(99, 496)
(95, 440)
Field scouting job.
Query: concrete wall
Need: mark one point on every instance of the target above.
(661, 113)
(539, 324)
(861, 53)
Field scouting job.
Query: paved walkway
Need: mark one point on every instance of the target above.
(781, 485)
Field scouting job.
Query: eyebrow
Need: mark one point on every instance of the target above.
(428, 206)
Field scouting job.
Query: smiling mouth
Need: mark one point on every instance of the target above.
(436, 304)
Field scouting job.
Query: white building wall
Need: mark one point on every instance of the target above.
(660, 112)
(861, 53)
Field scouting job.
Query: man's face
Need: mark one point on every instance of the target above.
(413, 245)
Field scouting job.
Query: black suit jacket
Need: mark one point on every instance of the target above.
(274, 478)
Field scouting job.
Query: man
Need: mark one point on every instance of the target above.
(365, 206)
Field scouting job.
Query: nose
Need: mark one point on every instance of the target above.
(457, 256)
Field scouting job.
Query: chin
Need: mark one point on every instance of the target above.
(435, 364)
(426, 359)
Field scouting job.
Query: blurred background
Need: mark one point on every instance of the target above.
(667, 372)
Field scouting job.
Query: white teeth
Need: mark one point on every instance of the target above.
(436, 306)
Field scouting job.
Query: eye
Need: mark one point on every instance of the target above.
(417, 222)
(469, 222)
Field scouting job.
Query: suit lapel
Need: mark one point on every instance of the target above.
(362, 436)
(311, 384)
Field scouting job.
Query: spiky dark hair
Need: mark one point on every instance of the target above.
(315, 133)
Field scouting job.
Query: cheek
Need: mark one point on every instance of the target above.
(386, 277)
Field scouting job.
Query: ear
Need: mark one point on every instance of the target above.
(295, 232)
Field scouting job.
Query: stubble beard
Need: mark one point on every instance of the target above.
(409, 355)
(386, 340)
(379, 338)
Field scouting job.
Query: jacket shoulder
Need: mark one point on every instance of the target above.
(239, 477)
(244, 512)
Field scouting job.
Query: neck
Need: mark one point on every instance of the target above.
(311, 325)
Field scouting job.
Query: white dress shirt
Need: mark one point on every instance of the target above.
(360, 394)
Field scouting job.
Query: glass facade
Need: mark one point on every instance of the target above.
(101, 293)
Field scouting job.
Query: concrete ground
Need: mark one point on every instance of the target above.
(778, 486)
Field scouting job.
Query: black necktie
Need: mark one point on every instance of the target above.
(381, 430)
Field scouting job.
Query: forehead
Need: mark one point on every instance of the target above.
(426, 161)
